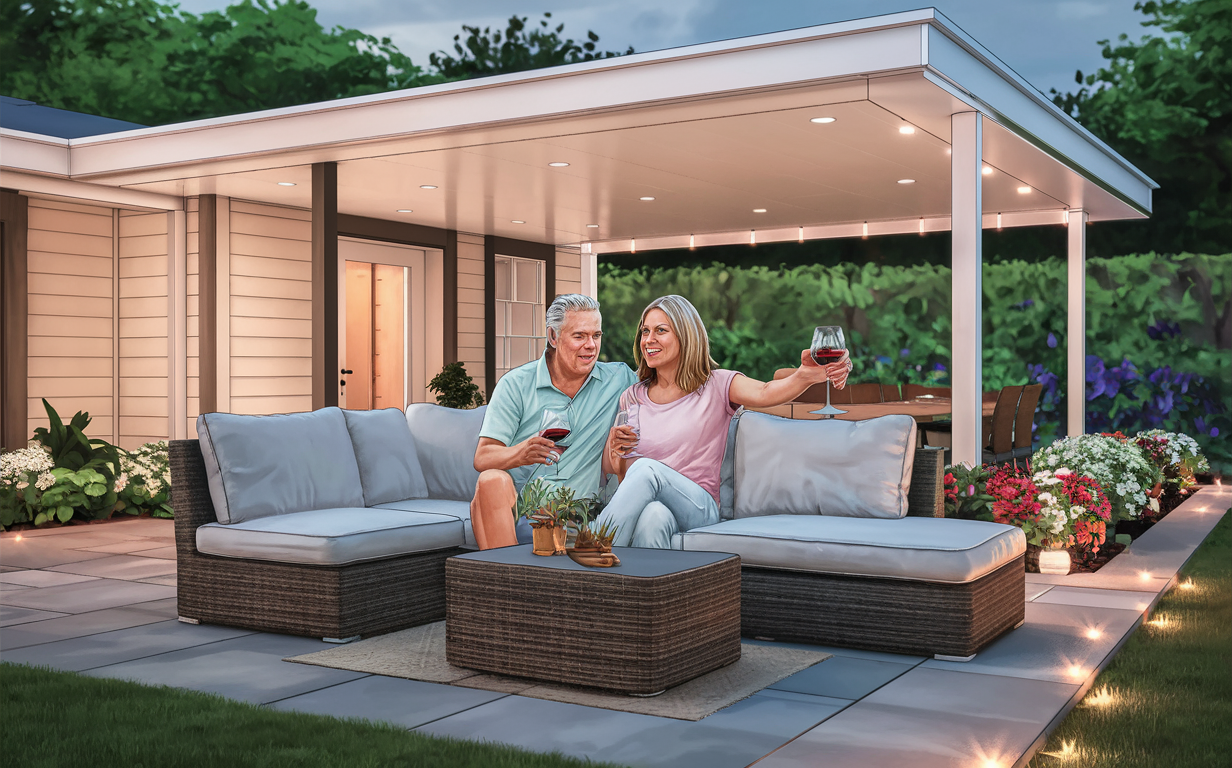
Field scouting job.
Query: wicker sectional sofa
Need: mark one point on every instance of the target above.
(328, 524)
(839, 526)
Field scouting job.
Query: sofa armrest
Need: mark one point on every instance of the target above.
(190, 494)
(927, 495)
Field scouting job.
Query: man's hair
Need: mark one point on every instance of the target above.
(695, 361)
(560, 306)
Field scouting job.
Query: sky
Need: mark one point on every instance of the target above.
(1044, 41)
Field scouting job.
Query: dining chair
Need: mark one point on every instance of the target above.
(890, 393)
(864, 393)
(999, 437)
(1024, 421)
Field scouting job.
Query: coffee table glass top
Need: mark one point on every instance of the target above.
(643, 563)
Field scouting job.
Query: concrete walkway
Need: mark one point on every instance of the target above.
(100, 600)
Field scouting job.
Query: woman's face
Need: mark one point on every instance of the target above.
(658, 339)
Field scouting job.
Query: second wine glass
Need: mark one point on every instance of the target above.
(554, 426)
(828, 347)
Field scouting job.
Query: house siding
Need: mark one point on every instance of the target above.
(471, 344)
(143, 328)
(192, 314)
(71, 316)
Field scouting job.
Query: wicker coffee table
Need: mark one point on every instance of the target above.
(659, 619)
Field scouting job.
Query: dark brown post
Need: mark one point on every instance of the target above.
(325, 370)
(207, 302)
(450, 324)
(14, 344)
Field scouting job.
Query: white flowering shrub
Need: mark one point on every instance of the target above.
(24, 475)
(1176, 454)
(1120, 469)
(144, 481)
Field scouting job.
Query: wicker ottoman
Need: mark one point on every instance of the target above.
(659, 619)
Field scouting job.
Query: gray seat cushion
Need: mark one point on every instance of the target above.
(456, 510)
(388, 463)
(916, 548)
(259, 466)
(446, 439)
(783, 466)
(331, 536)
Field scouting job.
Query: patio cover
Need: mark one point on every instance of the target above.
(895, 124)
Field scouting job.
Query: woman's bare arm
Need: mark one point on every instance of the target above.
(752, 393)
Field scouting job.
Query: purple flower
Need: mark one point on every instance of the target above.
(1052, 341)
(904, 352)
(971, 490)
(939, 367)
(1214, 431)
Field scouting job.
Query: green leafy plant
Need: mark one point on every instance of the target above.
(455, 388)
(84, 489)
(546, 504)
(596, 534)
(966, 493)
(71, 450)
(24, 475)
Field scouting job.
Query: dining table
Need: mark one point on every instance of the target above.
(922, 409)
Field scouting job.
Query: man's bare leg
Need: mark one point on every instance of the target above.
(492, 510)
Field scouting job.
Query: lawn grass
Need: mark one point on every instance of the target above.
(64, 719)
(1166, 699)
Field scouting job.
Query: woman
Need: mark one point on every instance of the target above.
(685, 403)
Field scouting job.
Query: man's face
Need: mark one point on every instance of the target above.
(577, 346)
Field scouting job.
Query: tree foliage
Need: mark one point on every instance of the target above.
(520, 48)
(150, 63)
(1165, 103)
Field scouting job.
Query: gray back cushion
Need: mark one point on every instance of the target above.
(258, 466)
(388, 463)
(445, 439)
(778, 466)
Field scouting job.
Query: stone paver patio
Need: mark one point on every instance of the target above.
(100, 600)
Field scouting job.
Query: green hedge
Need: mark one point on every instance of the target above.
(1160, 313)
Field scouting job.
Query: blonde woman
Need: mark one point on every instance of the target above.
(685, 403)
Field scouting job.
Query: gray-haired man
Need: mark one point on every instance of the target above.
(568, 376)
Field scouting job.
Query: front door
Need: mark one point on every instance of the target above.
(381, 344)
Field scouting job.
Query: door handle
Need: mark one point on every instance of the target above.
(347, 372)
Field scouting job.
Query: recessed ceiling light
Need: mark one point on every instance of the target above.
(647, 199)
(405, 210)
(906, 181)
(1024, 190)
(906, 130)
(759, 210)
(987, 171)
(822, 120)
(427, 186)
(516, 221)
(559, 165)
(286, 183)
(592, 226)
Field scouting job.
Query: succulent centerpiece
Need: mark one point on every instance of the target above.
(551, 511)
(593, 546)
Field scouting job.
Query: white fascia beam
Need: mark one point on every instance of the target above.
(966, 353)
(921, 225)
(115, 197)
(34, 153)
(1076, 325)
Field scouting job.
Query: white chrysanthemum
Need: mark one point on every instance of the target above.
(45, 481)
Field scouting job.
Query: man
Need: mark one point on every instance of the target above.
(567, 377)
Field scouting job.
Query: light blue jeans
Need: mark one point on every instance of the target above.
(655, 501)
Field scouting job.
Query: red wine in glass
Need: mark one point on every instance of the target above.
(556, 434)
(828, 347)
(826, 355)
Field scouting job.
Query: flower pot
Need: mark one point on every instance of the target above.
(560, 535)
(544, 541)
(1055, 561)
(1154, 492)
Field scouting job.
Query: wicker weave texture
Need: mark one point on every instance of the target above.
(366, 598)
(926, 498)
(891, 615)
(635, 635)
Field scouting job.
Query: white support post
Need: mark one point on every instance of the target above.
(590, 274)
(177, 325)
(966, 226)
(1076, 325)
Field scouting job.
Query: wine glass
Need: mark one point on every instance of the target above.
(554, 426)
(628, 418)
(828, 347)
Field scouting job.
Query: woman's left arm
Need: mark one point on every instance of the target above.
(752, 393)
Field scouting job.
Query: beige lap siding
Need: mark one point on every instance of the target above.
(568, 271)
(192, 311)
(143, 328)
(71, 313)
(271, 308)
(471, 343)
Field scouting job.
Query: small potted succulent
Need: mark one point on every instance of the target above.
(593, 546)
(551, 511)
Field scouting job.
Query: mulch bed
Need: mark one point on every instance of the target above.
(117, 518)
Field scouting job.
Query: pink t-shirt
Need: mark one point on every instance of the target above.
(690, 434)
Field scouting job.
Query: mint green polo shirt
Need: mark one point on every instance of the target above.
(517, 405)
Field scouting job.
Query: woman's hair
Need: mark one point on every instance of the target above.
(554, 318)
(695, 362)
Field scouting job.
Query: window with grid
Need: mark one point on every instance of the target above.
(519, 312)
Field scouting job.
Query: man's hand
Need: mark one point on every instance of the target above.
(536, 450)
(493, 454)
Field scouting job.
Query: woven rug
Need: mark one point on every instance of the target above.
(419, 654)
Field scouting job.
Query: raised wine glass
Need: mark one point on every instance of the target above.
(628, 418)
(554, 426)
(828, 347)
